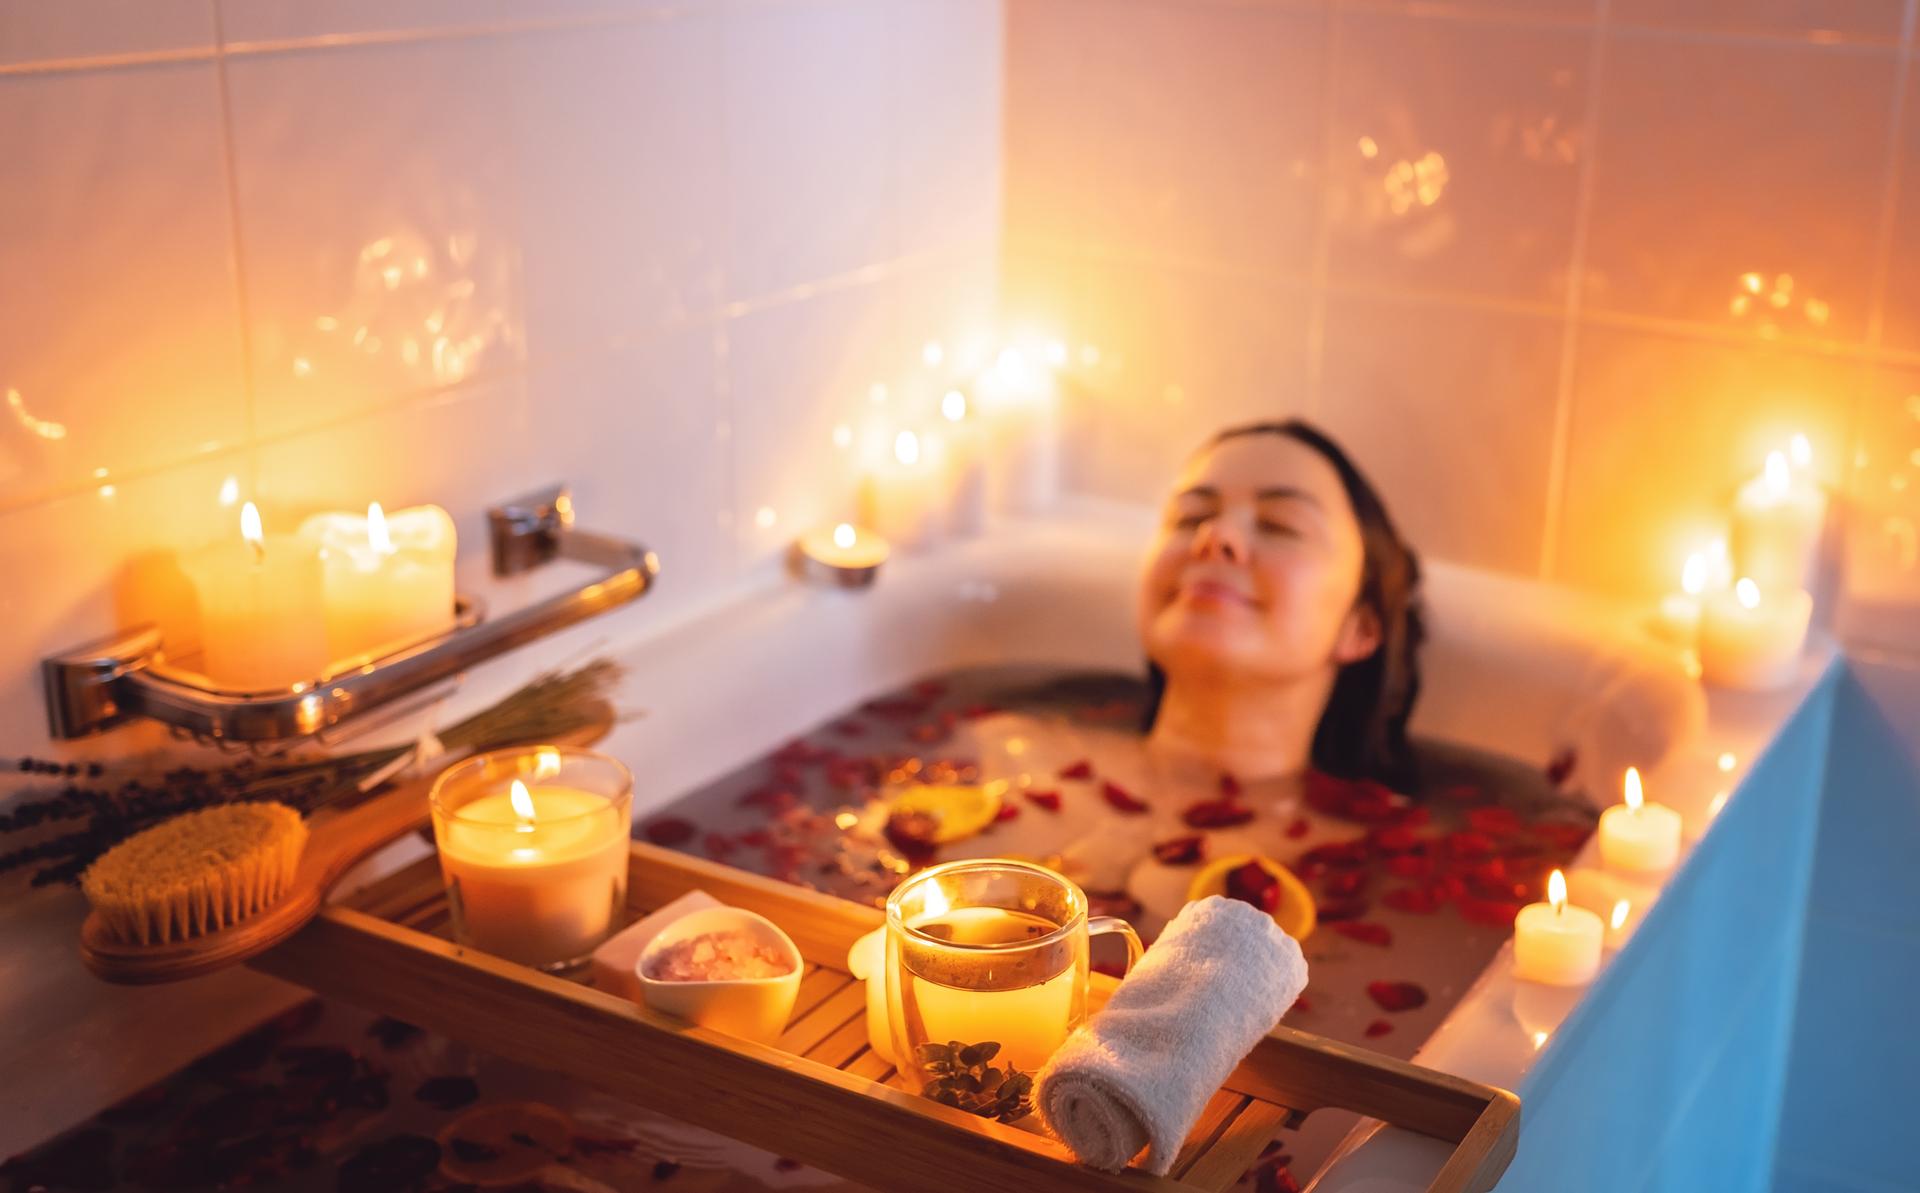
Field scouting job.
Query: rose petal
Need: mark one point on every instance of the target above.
(1121, 800)
(1365, 933)
(1397, 996)
(1417, 900)
(1222, 813)
(1229, 786)
(1299, 828)
(718, 845)
(1050, 800)
(1493, 821)
(1378, 1028)
(1252, 883)
(1079, 770)
(1006, 812)
(1180, 851)
(670, 831)
(1560, 769)
(1341, 883)
(1333, 911)
(1410, 865)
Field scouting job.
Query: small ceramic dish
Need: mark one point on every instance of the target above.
(751, 1008)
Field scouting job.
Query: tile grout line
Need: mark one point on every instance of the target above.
(1560, 443)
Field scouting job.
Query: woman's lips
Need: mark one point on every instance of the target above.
(1215, 594)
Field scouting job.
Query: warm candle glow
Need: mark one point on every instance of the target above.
(1801, 451)
(250, 529)
(1693, 575)
(1747, 593)
(1726, 761)
(954, 406)
(936, 902)
(1634, 797)
(522, 802)
(843, 536)
(1619, 916)
(906, 447)
(377, 536)
(1557, 891)
(1779, 478)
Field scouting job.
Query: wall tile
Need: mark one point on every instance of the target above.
(1455, 155)
(1450, 410)
(1665, 429)
(118, 339)
(1901, 323)
(946, 127)
(379, 226)
(1047, 143)
(37, 31)
(1878, 19)
(1880, 604)
(621, 171)
(279, 20)
(1793, 184)
(810, 183)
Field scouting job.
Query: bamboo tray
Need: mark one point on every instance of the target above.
(819, 1095)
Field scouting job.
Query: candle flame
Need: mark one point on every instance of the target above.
(377, 536)
(1800, 451)
(954, 406)
(1726, 761)
(843, 536)
(1619, 916)
(1747, 592)
(1634, 797)
(1557, 890)
(1693, 576)
(906, 447)
(936, 902)
(250, 529)
(1779, 478)
(521, 799)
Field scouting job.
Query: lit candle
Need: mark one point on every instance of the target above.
(1020, 404)
(1778, 518)
(1620, 901)
(905, 493)
(1679, 619)
(1639, 837)
(1556, 944)
(536, 872)
(967, 513)
(844, 554)
(1753, 641)
(261, 620)
(389, 577)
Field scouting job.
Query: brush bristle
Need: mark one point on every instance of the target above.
(197, 873)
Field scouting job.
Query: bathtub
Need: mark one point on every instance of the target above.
(1513, 667)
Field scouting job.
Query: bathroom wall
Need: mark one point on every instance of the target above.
(317, 254)
(1559, 272)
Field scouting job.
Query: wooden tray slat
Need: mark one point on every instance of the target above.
(821, 1095)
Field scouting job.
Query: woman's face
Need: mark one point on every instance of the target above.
(1256, 568)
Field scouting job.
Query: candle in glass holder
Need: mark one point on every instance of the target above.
(1554, 943)
(389, 577)
(1778, 518)
(1636, 836)
(533, 848)
(1753, 640)
(262, 624)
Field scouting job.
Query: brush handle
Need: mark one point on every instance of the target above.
(337, 839)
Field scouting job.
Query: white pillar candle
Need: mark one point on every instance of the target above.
(1778, 518)
(905, 494)
(1021, 407)
(967, 466)
(1751, 639)
(1555, 943)
(538, 873)
(1679, 618)
(389, 578)
(261, 619)
(1638, 837)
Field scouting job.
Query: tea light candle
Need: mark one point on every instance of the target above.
(389, 578)
(967, 509)
(538, 872)
(261, 619)
(845, 554)
(1554, 943)
(1753, 641)
(905, 495)
(1639, 837)
(1778, 518)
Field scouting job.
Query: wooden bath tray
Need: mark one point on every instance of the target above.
(820, 1095)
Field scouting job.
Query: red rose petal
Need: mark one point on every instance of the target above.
(1464, 793)
(1050, 800)
(1229, 786)
(1338, 854)
(718, 845)
(798, 751)
(1560, 769)
(1378, 1028)
(1494, 821)
(1340, 883)
(928, 735)
(1079, 770)
(1222, 813)
(1410, 865)
(1397, 996)
(1300, 827)
(1180, 851)
(1393, 839)
(1417, 900)
(1365, 933)
(1469, 845)
(930, 689)
(1006, 812)
(1251, 883)
(1334, 911)
(1303, 1004)
(1121, 800)
(757, 838)
(670, 831)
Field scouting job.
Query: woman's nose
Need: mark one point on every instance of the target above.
(1220, 538)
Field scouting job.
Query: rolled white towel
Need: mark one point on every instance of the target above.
(1140, 1071)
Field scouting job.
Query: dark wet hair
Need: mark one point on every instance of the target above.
(1363, 732)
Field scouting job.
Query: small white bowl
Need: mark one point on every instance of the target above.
(751, 1008)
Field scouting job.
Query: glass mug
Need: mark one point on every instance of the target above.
(992, 956)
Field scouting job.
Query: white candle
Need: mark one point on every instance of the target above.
(1778, 518)
(844, 554)
(905, 494)
(1752, 640)
(966, 444)
(1679, 619)
(538, 873)
(1639, 837)
(1020, 404)
(867, 962)
(1554, 943)
(389, 578)
(261, 620)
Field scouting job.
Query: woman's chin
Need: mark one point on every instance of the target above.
(1205, 644)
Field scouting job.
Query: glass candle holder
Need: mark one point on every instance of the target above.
(533, 848)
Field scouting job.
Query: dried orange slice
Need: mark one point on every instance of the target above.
(1294, 912)
(952, 812)
(505, 1143)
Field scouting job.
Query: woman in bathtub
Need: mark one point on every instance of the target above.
(1280, 612)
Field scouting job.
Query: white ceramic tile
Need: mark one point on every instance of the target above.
(280, 20)
(1167, 357)
(947, 121)
(1665, 429)
(119, 325)
(1740, 183)
(809, 131)
(796, 372)
(1450, 411)
(1878, 19)
(1455, 154)
(621, 170)
(1046, 144)
(1880, 602)
(1901, 317)
(39, 30)
(379, 227)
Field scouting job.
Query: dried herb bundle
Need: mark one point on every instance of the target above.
(103, 814)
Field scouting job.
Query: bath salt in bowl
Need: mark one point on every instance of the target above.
(724, 968)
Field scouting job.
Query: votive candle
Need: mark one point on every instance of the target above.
(1555, 943)
(1636, 836)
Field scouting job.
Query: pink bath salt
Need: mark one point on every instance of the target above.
(717, 957)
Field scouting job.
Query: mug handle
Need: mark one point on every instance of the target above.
(1112, 923)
